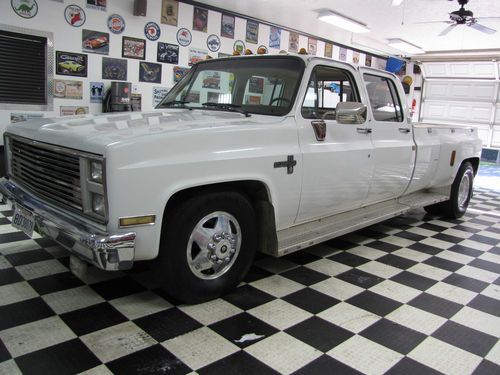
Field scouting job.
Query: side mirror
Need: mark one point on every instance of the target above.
(351, 113)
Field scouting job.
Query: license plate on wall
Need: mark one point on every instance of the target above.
(23, 220)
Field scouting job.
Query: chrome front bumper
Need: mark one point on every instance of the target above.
(110, 252)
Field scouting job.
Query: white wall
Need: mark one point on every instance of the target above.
(50, 18)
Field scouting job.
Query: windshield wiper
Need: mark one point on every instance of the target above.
(227, 107)
(173, 103)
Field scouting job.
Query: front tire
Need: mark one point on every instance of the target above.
(460, 195)
(208, 244)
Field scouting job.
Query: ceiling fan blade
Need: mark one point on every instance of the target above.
(416, 23)
(447, 30)
(482, 28)
(487, 18)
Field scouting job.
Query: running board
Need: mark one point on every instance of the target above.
(317, 231)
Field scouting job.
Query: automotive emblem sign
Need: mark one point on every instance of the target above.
(213, 43)
(116, 24)
(152, 31)
(184, 37)
(25, 8)
(75, 15)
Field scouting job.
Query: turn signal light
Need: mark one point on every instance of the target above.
(137, 220)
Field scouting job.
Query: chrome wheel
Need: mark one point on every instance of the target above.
(464, 190)
(214, 245)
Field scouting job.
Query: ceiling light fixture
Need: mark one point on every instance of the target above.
(396, 3)
(404, 46)
(343, 22)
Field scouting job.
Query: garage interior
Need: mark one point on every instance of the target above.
(416, 294)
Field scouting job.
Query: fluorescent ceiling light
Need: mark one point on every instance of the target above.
(404, 46)
(396, 3)
(343, 22)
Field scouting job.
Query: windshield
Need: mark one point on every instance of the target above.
(261, 85)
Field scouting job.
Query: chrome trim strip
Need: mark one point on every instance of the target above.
(107, 251)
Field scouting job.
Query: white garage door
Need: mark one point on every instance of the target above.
(463, 93)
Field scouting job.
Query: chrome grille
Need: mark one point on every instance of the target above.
(51, 172)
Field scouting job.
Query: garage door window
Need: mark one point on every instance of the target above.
(384, 98)
(23, 72)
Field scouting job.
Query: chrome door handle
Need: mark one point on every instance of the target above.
(364, 130)
(404, 130)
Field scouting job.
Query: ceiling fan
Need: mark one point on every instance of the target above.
(465, 17)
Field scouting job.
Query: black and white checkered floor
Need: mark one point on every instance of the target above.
(413, 295)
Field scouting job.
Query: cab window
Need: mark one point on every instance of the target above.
(384, 99)
(327, 87)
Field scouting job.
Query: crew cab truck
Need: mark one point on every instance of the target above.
(290, 151)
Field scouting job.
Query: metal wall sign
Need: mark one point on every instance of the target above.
(25, 8)
(75, 15)
(116, 24)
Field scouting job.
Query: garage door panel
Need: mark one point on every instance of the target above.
(466, 92)
(461, 112)
(458, 90)
(460, 70)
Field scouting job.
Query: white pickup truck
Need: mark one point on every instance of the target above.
(277, 154)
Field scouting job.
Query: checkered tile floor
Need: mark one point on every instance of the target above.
(413, 295)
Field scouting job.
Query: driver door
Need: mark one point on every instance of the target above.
(338, 167)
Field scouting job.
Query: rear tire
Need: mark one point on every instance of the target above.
(461, 192)
(208, 244)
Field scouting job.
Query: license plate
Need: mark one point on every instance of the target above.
(23, 220)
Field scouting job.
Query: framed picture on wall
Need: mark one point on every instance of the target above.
(200, 19)
(179, 72)
(167, 53)
(133, 48)
(115, 69)
(95, 42)
(293, 42)
(328, 50)
(227, 26)
(71, 64)
(275, 37)
(312, 46)
(252, 35)
(169, 12)
(149, 72)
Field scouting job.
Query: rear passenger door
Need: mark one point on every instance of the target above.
(392, 138)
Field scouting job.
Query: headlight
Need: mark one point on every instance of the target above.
(98, 204)
(96, 171)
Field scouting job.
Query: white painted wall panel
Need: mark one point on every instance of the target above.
(460, 90)
(457, 112)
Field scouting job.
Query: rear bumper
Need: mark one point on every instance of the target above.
(110, 252)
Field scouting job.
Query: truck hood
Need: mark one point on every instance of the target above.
(94, 133)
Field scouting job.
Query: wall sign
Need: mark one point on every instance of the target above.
(275, 37)
(133, 48)
(75, 15)
(96, 92)
(71, 64)
(159, 93)
(252, 33)
(97, 4)
(25, 8)
(95, 42)
(169, 12)
(227, 26)
(114, 69)
(116, 24)
(149, 72)
(179, 72)
(167, 53)
(67, 89)
(213, 43)
(200, 19)
(152, 31)
(239, 46)
(73, 110)
(184, 37)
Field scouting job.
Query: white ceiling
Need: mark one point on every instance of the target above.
(384, 20)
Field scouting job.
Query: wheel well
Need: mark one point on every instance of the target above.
(255, 191)
(474, 162)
